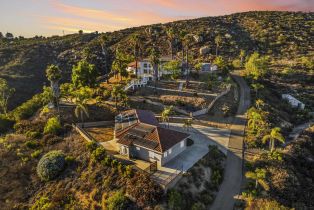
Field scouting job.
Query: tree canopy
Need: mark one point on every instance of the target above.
(84, 74)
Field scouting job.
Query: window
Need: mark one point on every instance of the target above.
(145, 71)
(182, 144)
(165, 154)
(170, 151)
(145, 65)
(137, 148)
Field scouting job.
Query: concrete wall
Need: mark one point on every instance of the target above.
(173, 152)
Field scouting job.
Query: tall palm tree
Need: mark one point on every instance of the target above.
(166, 114)
(154, 59)
(135, 40)
(272, 137)
(187, 124)
(81, 109)
(259, 103)
(259, 175)
(218, 40)
(171, 36)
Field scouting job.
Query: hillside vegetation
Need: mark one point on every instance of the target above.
(281, 35)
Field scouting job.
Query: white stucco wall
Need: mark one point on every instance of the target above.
(173, 152)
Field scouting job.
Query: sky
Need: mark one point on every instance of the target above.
(56, 17)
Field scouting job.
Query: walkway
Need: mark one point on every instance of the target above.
(231, 185)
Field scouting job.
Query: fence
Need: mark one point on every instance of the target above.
(95, 124)
(84, 134)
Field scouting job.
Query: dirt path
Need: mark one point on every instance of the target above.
(231, 185)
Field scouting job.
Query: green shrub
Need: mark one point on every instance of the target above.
(117, 201)
(107, 161)
(174, 200)
(91, 146)
(33, 134)
(98, 154)
(198, 206)
(42, 204)
(50, 165)
(36, 154)
(32, 144)
(52, 126)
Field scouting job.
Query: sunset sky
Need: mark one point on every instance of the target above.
(52, 17)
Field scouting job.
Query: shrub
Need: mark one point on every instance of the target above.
(98, 154)
(106, 161)
(117, 201)
(43, 204)
(144, 190)
(52, 126)
(36, 154)
(69, 159)
(91, 146)
(32, 134)
(31, 144)
(198, 206)
(50, 165)
(174, 200)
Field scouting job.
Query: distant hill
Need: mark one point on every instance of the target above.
(278, 34)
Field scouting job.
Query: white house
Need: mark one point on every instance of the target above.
(145, 68)
(293, 101)
(138, 135)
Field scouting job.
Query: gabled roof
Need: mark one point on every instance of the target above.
(147, 133)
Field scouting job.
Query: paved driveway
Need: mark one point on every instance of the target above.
(203, 137)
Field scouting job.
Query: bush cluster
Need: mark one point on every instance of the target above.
(5, 124)
(53, 126)
(50, 165)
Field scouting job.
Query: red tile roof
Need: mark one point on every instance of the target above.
(148, 133)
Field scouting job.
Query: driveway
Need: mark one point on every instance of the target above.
(231, 185)
(202, 137)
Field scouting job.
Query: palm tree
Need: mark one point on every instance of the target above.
(171, 36)
(259, 175)
(135, 40)
(272, 136)
(115, 93)
(81, 109)
(154, 59)
(218, 41)
(166, 114)
(187, 124)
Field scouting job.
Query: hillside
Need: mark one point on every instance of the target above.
(282, 35)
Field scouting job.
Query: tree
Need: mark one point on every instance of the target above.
(173, 66)
(154, 60)
(9, 35)
(256, 87)
(259, 175)
(80, 32)
(81, 109)
(135, 40)
(259, 103)
(272, 137)
(84, 74)
(171, 33)
(218, 40)
(5, 93)
(221, 64)
(1, 35)
(257, 66)
(53, 74)
(174, 200)
(187, 124)
(166, 114)
(121, 63)
(118, 201)
(118, 93)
